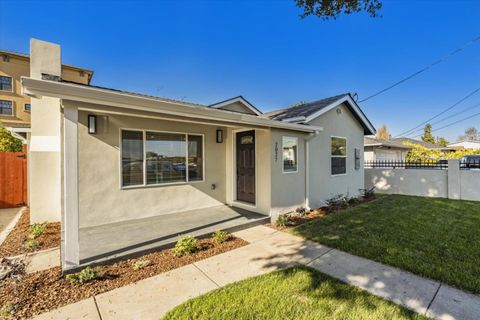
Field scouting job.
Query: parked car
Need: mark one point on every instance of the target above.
(470, 162)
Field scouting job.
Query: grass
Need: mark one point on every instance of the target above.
(432, 237)
(296, 293)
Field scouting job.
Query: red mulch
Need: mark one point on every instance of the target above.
(46, 290)
(13, 245)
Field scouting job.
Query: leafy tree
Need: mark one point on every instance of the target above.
(9, 143)
(383, 133)
(427, 134)
(470, 134)
(442, 142)
(421, 153)
(331, 9)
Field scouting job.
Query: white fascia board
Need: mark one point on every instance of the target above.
(107, 97)
(355, 108)
(237, 99)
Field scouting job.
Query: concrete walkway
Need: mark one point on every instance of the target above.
(8, 219)
(270, 250)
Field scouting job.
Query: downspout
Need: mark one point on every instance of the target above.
(307, 169)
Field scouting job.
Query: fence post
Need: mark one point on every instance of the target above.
(453, 179)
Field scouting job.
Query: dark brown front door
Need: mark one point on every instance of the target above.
(246, 166)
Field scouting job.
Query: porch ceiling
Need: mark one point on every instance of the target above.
(135, 236)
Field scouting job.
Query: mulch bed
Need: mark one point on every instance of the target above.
(13, 245)
(46, 290)
(313, 214)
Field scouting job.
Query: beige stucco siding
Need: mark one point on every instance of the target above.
(288, 189)
(322, 184)
(101, 198)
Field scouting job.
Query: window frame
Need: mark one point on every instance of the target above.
(296, 156)
(144, 136)
(25, 109)
(11, 84)
(337, 156)
(13, 108)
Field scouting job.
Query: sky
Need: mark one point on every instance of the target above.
(208, 51)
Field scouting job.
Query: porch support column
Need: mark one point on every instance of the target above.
(70, 176)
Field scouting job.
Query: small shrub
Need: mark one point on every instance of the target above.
(301, 212)
(336, 203)
(220, 236)
(86, 275)
(7, 310)
(353, 201)
(282, 220)
(37, 229)
(140, 264)
(368, 194)
(185, 246)
(31, 244)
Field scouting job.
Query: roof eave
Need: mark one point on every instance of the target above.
(69, 91)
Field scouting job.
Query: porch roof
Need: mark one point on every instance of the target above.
(134, 101)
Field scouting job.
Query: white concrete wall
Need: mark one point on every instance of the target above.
(414, 182)
(452, 183)
(322, 184)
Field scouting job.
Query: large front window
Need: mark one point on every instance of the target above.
(339, 155)
(153, 158)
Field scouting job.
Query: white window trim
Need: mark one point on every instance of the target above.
(13, 107)
(296, 156)
(11, 81)
(336, 156)
(145, 185)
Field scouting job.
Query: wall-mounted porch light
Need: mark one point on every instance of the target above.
(219, 135)
(92, 124)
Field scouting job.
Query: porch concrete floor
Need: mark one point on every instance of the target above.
(135, 236)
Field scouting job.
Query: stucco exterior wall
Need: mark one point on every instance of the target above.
(237, 107)
(101, 198)
(415, 182)
(323, 185)
(288, 188)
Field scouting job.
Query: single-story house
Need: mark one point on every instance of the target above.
(384, 150)
(125, 171)
(465, 144)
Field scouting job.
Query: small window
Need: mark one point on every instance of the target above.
(6, 107)
(290, 154)
(338, 155)
(132, 158)
(27, 107)
(357, 159)
(6, 83)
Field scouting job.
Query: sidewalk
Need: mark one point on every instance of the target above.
(8, 220)
(270, 250)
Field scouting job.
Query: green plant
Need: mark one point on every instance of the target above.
(31, 244)
(220, 236)
(185, 246)
(282, 220)
(7, 310)
(37, 229)
(86, 275)
(140, 264)
(336, 203)
(353, 201)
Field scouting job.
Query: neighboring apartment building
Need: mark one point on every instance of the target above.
(14, 106)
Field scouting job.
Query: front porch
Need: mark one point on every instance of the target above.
(133, 237)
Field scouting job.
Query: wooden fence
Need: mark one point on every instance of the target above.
(13, 179)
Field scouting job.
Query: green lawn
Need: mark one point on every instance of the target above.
(295, 293)
(435, 238)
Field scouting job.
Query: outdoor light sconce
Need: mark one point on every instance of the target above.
(219, 135)
(92, 124)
